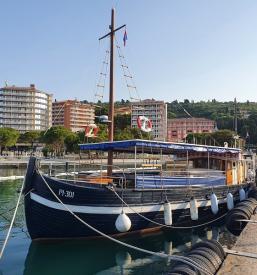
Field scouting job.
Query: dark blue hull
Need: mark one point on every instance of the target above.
(46, 223)
(98, 206)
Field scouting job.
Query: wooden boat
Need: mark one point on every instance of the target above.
(144, 195)
(128, 202)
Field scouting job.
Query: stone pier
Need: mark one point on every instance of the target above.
(247, 242)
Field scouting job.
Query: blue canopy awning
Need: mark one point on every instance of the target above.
(149, 146)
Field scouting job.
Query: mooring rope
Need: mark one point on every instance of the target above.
(158, 254)
(12, 221)
(164, 225)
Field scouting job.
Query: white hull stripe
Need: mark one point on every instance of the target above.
(114, 209)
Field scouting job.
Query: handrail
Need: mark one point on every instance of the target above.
(122, 179)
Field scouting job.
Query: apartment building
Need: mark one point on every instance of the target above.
(156, 111)
(73, 114)
(25, 108)
(179, 128)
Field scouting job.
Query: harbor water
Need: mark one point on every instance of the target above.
(97, 256)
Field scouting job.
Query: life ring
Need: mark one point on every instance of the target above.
(144, 124)
(91, 130)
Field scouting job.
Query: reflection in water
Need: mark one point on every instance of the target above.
(12, 172)
(105, 257)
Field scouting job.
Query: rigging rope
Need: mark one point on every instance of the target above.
(164, 225)
(158, 254)
(127, 75)
(102, 77)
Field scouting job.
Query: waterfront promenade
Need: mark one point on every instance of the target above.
(12, 162)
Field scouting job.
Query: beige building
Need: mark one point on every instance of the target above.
(156, 111)
(25, 108)
(179, 128)
(73, 114)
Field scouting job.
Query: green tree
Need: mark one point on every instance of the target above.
(122, 121)
(222, 136)
(216, 138)
(30, 137)
(131, 133)
(71, 142)
(55, 139)
(8, 137)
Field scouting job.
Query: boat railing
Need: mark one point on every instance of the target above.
(93, 173)
(123, 177)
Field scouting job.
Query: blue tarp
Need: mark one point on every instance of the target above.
(155, 146)
(159, 182)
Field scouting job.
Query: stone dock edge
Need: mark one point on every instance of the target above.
(247, 242)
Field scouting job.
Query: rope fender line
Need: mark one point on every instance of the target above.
(160, 224)
(182, 259)
(240, 253)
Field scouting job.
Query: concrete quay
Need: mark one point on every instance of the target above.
(247, 242)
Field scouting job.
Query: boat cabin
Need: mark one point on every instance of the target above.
(158, 164)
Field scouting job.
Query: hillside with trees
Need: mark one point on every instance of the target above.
(222, 112)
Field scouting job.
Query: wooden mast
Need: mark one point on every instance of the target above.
(111, 87)
(111, 95)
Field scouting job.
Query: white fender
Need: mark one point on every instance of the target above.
(242, 195)
(123, 223)
(209, 234)
(167, 213)
(214, 204)
(194, 209)
(168, 250)
(123, 258)
(168, 247)
(230, 201)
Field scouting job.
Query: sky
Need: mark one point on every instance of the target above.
(176, 49)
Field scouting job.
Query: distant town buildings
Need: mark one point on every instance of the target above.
(25, 108)
(73, 114)
(179, 128)
(156, 111)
